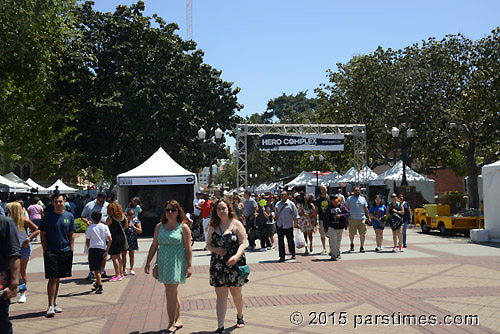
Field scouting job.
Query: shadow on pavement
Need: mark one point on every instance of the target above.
(28, 315)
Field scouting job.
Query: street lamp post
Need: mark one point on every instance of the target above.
(210, 146)
(278, 171)
(320, 158)
(405, 146)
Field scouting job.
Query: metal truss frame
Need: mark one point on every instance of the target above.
(357, 131)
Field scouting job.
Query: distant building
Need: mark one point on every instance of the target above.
(204, 175)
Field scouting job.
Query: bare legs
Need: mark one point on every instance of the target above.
(117, 264)
(398, 234)
(52, 290)
(379, 237)
(221, 308)
(131, 257)
(173, 305)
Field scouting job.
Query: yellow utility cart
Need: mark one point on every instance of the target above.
(438, 217)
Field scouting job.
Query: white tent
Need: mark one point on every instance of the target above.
(491, 192)
(330, 179)
(13, 187)
(305, 179)
(34, 185)
(353, 175)
(62, 187)
(158, 170)
(421, 183)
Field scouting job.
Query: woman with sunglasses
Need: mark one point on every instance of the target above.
(132, 232)
(172, 241)
(396, 212)
(226, 242)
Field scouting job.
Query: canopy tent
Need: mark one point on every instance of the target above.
(14, 178)
(421, 183)
(309, 179)
(62, 187)
(353, 175)
(491, 192)
(39, 188)
(330, 179)
(155, 181)
(7, 185)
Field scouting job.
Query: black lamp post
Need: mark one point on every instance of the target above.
(320, 158)
(211, 146)
(278, 170)
(405, 147)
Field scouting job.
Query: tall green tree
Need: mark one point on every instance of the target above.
(34, 35)
(148, 88)
(428, 87)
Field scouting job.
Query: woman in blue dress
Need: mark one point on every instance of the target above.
(172, 240)
(226, 241)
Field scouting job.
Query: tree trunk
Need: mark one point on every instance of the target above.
(473, 171)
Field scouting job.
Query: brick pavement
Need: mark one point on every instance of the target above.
(436, 276)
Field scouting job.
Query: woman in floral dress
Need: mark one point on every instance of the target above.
(307, 221)
(226, 242)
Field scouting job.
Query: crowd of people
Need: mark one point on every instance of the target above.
(266, 215)
(226, 224)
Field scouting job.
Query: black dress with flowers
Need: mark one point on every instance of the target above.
(222, 274)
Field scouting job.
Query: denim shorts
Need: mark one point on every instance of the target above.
(26, 252)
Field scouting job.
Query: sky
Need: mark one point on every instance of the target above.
(271, 47)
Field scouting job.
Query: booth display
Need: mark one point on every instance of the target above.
(421, 183)
(155, 181)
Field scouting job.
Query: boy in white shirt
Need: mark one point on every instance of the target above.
(97, 234)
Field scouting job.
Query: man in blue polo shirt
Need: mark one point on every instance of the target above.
(57, 231)
(358, 207)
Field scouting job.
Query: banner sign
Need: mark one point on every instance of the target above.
(304, 142)
(155, 180)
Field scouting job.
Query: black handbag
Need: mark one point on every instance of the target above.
(396, 221)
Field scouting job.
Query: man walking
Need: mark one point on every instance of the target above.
(358, 207)
(250, 208)
(286, 216)
(57, 232)
(10, 264)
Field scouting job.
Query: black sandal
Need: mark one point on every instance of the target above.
(220, 330)
(240, 323)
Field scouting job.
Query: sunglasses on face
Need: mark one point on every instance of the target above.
(393, 196)
(131, 214)
(170, 209)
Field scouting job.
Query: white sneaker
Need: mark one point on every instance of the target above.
(50, 312)
(22, 298)
(57, 308)
(272, 246)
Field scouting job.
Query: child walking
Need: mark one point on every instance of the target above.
(97, 234)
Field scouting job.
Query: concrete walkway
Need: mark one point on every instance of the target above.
(437, 285)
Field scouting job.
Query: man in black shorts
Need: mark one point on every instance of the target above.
(57, 229)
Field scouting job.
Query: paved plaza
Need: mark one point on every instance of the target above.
(437, 285)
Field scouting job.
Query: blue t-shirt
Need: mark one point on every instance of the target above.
(378, 211)
(357, 207)
(57, 226)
